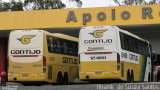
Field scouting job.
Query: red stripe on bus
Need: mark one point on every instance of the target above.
(25, 55)
(98, 52)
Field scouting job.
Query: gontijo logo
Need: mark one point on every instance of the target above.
(98, 33)
(26, 39)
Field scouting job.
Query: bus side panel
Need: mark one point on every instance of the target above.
(141, 70)
(51, 60)
(145, 69)
(60, 63)
(138, 69)
(58, 66)
(73, 73)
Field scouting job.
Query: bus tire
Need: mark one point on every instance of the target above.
(65, 79)
(59, 78)
(128, 77)
(132, 76)
(149, 77)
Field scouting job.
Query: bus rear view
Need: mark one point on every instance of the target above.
(26, 56)
(99, 53)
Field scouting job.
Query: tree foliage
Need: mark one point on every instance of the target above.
(16, 6)
(11, 6)
(21, 5)
(43, 4)
(4, 6)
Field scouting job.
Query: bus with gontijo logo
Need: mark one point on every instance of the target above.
(107, 52)
(40, 56)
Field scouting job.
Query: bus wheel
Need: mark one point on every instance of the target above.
(149, 78)
(132, 77)
(128, 77)
(65, 79)
(59, 79)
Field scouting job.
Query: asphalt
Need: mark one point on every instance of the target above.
(81, 85)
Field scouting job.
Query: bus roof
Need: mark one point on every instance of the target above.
(133, 35)
(59, 35)
(32, 30)
(117, 28)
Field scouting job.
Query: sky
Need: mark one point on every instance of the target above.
(97, 3)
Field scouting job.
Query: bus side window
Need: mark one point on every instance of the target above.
(50, 44)
(140, 47)
(75, 47)
(65, 49)
(122, 40)
(70, 48)
(58, 47)
(130, 40)
(126, 42)
(54, 45)
(136, 46)
(144, 48)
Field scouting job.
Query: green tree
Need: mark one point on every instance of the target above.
(16, 6)
(21, 5)
(43, 4)
(48, 4)
(4, 6)
(11, 6)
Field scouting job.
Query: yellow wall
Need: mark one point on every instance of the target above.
(57, 18)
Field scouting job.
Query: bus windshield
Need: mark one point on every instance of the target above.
(26, 46)
(100, 39)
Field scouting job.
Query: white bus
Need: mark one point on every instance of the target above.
(107, 52)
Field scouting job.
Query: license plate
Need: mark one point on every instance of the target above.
(24, 75)
(98, 73)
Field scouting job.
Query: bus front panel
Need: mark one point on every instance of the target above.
(26, 56)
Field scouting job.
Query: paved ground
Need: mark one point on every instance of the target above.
(87, 86)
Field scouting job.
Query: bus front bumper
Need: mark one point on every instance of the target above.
(99, 75)
(26, 77)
